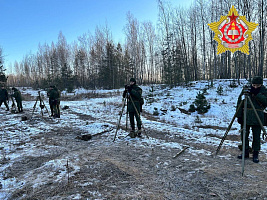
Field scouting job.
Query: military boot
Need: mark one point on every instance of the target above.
(246, 154)
(139, 133)
(255, 156)
(132, 134)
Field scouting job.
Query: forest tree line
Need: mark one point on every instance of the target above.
(178, 49)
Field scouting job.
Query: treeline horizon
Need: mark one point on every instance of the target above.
(178, 49)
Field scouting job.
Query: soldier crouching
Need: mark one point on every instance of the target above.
(18, 98)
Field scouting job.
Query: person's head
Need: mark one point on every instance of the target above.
(132, 81)
(13, 88)
(257, 82)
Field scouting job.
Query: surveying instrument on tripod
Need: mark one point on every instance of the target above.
(132, 98)
(41, 104)
(250, 115)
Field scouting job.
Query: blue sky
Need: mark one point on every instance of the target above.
(26, 23)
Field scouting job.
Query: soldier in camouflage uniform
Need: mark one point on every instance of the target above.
(258, 94)
(135, 92)
(18, 98)
(4, 97)
(54, 101)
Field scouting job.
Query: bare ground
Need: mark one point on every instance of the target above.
(124, 169)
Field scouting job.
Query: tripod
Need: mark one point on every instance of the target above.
(128, 96)
(245, 100)
(42, 104)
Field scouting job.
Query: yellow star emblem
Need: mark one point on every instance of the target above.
(233, 32)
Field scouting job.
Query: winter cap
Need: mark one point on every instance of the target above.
(257, 80)
(132, 80)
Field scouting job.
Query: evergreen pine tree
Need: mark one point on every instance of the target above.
(202, 105)
(220, 90)
(3, 77)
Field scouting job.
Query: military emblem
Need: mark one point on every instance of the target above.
(233, 32)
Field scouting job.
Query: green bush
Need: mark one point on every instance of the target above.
(219, 90)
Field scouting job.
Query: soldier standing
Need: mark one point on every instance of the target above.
(258, 94)
(18, 98)
(135, 92)
(4, 97)
(54, 101)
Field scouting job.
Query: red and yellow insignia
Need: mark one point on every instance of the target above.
(233, 32)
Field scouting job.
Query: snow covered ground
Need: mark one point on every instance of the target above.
(101, 114)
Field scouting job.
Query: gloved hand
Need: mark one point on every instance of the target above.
(246, 90)
(254, 91)
(129, 88)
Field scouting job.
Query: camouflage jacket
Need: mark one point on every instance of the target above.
(17, 95)
(53, 94)
(260, 103)
(3, 95)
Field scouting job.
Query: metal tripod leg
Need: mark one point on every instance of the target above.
(119, 121)
(138, 115)
(35, 105)
(228, 129)
(42, 101)
(244, 133)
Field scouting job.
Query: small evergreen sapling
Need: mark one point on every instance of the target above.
(3, 78)
(219, 90)
(198, 120)
(201, 104)
(151, 94)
